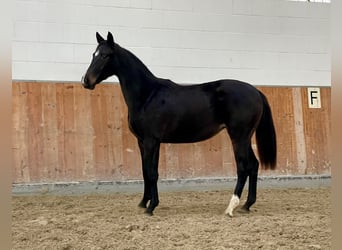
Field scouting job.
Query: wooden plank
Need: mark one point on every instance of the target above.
(171, 161)
(228, 160)
(299, 130)
(131, 154)
(199, 159)
(281, 102)
(69, 140)
(16, 133)
(84, 134)
(185, 166)
(96, 114)
(326, 146)
(317, 127)
(35, 136)
(213, 157)
(199, 155)
(106, 109)
(62, 172)
(114, 131)
(108, 132)
(162, 162)
(49, 132)
(21, 166)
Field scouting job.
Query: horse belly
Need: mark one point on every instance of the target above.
(188, 133)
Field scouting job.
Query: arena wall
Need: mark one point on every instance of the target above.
(63, 132)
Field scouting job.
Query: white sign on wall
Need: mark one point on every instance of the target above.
(314, 98)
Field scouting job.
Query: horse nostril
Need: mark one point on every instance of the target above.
(85, 81)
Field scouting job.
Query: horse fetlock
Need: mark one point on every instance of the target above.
(245, 209)
(153, 204)
(234, 202)
(148, 212)
(249, 203)
(142, 204)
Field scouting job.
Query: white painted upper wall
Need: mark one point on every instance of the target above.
(263, 42)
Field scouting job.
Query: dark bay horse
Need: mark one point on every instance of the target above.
(161, 111)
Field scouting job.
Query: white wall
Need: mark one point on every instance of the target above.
(264, 42)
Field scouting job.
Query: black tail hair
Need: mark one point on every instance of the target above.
(266, 138)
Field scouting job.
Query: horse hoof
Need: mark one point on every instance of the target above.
(229, 212)
(244, 211)
(148, 213)
(234, 202)
(142, 205)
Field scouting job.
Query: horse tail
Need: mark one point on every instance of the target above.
(266, 137)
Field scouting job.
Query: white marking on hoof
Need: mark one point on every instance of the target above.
(234, 202)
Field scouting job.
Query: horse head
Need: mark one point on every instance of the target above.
(102, 64)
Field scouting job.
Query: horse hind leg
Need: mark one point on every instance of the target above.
(241, 158)
(252, 182)
(247, 167)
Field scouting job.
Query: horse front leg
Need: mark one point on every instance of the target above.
(150, 157)
(147, 186)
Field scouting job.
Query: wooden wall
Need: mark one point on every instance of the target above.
(63, 132)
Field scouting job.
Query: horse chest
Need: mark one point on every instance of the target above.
(143, 126)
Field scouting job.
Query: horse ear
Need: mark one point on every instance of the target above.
(99, 37)
(110, 38)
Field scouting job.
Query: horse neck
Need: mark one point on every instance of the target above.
(136, 80)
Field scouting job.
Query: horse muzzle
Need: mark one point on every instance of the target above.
(86, 83)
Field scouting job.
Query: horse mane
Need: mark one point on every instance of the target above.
(143, 69)
(136, 61)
